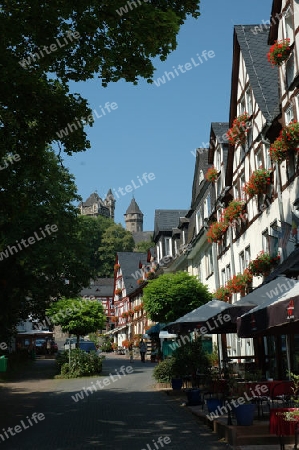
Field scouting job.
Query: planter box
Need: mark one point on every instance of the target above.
(244, 414)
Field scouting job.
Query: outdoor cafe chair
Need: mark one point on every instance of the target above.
(281, 395)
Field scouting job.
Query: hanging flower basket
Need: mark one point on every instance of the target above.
(223, 294)
(258, 182)
(118, 291)
(212, 174)
(125, 315)
(262, 264)
(131, 312)
(234, 210)
(137, 308)
(116, 267)
(238, 132)
(216, 231)
(140, 281)
(279, 52)
(150, 275)
(237, 283)
(290, 135)
(278, 150)
(114, 319)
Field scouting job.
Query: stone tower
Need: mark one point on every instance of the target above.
(134, 217)
(110, 203)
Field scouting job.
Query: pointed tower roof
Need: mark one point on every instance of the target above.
(110, 194)
(133, 208)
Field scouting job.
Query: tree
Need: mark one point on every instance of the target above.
(77, 316)
(173, 295)
(115, 239)
(144, 246)
(34, 195)
(45, 45)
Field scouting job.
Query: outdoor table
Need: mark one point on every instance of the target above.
(282, 427)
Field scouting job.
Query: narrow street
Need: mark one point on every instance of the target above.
(120, 410)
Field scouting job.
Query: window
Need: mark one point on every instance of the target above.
(259, 159)
(198, 221)
(290, 70)
(228, 272)
(288, 25)
(218, 160)
(223, 279)
(168, 249)
(241, 186)
(207, 207)
(219, 186)
(248, 101)
(265, 241)
(176, 247)
(273, 239)
(242, 261)
(201, 177)
(249, 139)
(247, 256)
(268, 164)
(209, 262)
(289, 115)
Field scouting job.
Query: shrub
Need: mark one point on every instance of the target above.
(164, 371)
(82, 363)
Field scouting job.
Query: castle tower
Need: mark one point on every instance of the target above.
(110, 203)
(134, 217)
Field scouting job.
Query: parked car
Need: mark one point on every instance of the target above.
(40, 346)
(54, 347)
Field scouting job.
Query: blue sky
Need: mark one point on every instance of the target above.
(152, 129)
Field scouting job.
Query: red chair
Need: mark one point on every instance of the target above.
(281, 394)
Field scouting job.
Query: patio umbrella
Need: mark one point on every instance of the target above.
(277, 314)
(214, 317)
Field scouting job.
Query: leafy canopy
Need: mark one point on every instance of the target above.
(77, 316)
(172, 295)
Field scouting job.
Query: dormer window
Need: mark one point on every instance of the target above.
(289, 115)
(201, 177)
(288, 25)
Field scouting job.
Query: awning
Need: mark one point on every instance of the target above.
(165, 335)
(156, 328)
(115, 330)
(214, 317)
(279, 314)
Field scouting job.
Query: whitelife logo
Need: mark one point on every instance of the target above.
(11, 250)
(36, 417)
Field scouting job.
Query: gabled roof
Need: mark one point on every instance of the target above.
(133, 208)
(92, 199)
(129, 264)
(263, 77)
(220, 129)
(167, 219)
(100, 287)
(142, 236)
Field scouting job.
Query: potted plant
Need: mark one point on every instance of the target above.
(211, 174)
(223, 293)
(262, 264)
(278, 150)
(116, 267)
(118, 291)
(234, 210)
(238, 132)
(279, 52)
(238, 283)
(124, 315)
(150, 275)
(258, 182)
(216, 231)
(290, 135)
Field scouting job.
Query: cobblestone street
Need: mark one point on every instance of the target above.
(118, 411)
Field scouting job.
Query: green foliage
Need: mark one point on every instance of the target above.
(82, 363)
(106, 344)
(115, 239)
(185, 360)
(190, 357)
(143, 247)
(77, 316)
(164, 371)
(172, 295)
